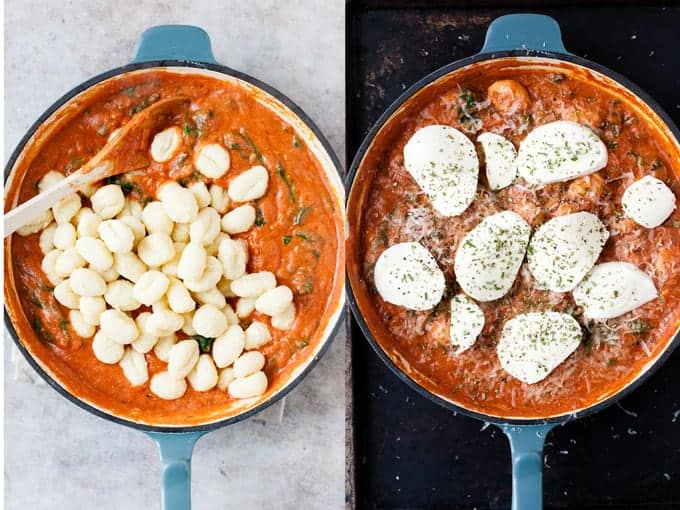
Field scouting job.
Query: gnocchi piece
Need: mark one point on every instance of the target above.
(200, 191)
(132, 208)
(229, 346)
(150, 287)
(179, 299)
(49, 180)
(129, 266)
(274, 301)
(46, 239)
(182, 358)
(225, 378)
(120, 295)
(250, 185)
(212, 160)
(213, 248)
(230, 314)
(179, 203)
(87, 190)
(234, 257)
(67, 208)
(209, 321)
(285, 319)
(108, 201)
(136, 226)
(117, 236)
(36, 224)
(239, 220)
(248, 363)
(87, 282)
(224, 286)
(156, 249)
(161, 304)
(509, 97)
(163, 346)
(145, 341)
(170, 268)
(119, 327)
(64, 236)
(165, 386)
(165, 144)
(87, 223)
(203, 376)
(155, 219)
(110, 274)
(211, 275)
(95, 252)
(164, 323)
(188, 327)
(257, 334)
(192, 262)
(91, 308)
(180, 233)
(244, 307)
(68, 261)
(49, 266)
(211, 297)
(106, 350)
(82, 328)
(205, 228)
(253, 285)
(134, 367)
(248, 387)
(219, 199)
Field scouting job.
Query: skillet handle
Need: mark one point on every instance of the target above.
(524, 32)
(526, 447)
(175, 452)
(174, 42)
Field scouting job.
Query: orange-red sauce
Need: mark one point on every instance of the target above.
(387, 207)
(298, 235)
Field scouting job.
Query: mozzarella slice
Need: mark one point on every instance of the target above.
(444, 163)
(499, 155)
(407, 275)
(564, 249)
(612, 289)
(559, 151)
(467, 322)
(534, 344)
(490, 255)
(649, 202)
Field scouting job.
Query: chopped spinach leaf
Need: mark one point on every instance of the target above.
(259, 217)
(286, 240)
(63, 324)
(289, 184)
(249, 142)
(296, 142)
(301, 215)
(204, 343)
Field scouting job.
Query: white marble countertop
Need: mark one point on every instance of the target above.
(58, 456)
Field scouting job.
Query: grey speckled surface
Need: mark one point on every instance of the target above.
(58, 456)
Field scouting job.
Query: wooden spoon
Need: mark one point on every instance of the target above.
(127, 151)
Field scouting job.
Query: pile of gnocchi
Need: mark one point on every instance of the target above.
(156, 277)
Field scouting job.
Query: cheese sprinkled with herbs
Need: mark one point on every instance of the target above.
(564, 249)
(649, 202)
(444, 163)
(467, 322)
(612, 289)
(560, 151)
(490, 255)
(534, 344)
(407, 275)
(499, 157)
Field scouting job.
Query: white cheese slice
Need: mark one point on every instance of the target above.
(559, 151)
(564, 249)
(612, 289)
(499, 157)
(490, 255)
(467, 322)
(649, 202)
(444, 163)
(534, 344)
(407, 275)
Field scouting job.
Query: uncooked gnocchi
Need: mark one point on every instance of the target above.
(250, 185)
(212, 160)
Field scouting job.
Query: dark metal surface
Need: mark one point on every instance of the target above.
(411, 453)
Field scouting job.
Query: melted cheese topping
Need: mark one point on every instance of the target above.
(490, 255)
(612, 289)
(564, 249)
(443, 161)
(533, 344)
(560, 151)
(407, 275)
(649, 202)
(467, 322)
(499, 156)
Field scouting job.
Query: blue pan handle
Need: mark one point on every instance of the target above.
(526, 447)
(175, 42)
(523, 32)
(175, 452)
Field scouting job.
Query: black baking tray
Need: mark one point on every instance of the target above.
(407, 452)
